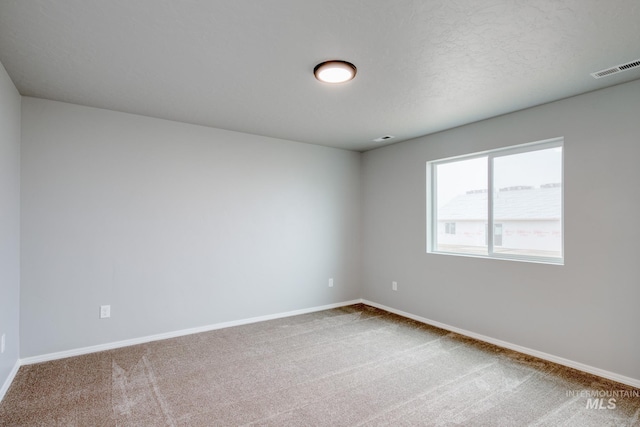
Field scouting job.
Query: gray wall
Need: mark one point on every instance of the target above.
(9, 222)
(175, 226)
(179, 226)
(585, 311)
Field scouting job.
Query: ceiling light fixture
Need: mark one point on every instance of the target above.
(335, 71)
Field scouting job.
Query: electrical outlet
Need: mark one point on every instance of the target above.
(331, 282)
(2, 341)
(105, 311)
(394, 286)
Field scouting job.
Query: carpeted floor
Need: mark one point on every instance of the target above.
(352, 366)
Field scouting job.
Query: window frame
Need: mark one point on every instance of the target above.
(431, 195)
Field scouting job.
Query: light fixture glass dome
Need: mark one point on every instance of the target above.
(335, 71)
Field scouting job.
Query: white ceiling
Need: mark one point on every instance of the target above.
(246, 65)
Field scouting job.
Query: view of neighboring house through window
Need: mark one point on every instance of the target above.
(504, 203)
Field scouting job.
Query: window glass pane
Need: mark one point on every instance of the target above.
(527, 203)
(461, 206)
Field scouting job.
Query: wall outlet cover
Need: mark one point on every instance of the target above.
(105, 311)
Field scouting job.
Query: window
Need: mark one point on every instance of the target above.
(505, 203)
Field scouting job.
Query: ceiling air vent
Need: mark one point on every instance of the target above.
(384, 138)
(617, 69)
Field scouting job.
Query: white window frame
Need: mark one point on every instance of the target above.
(432, 216)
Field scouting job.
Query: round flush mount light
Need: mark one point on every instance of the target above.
(335, 71)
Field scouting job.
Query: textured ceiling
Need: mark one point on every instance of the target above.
(246, 65)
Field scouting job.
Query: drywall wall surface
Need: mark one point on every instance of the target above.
(175, 226)
(585, 311)
(9, 223)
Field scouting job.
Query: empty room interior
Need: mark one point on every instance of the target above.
(319, 213)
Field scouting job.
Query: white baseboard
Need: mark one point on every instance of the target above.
(118, 344)
(9, 380)
(164, 336)
(539, 354)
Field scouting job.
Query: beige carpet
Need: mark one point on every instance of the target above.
(345, 367)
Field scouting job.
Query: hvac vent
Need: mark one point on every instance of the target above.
(617, 69)
(384, 138)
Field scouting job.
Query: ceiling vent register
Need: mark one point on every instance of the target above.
(384, 138)
(617, 69)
